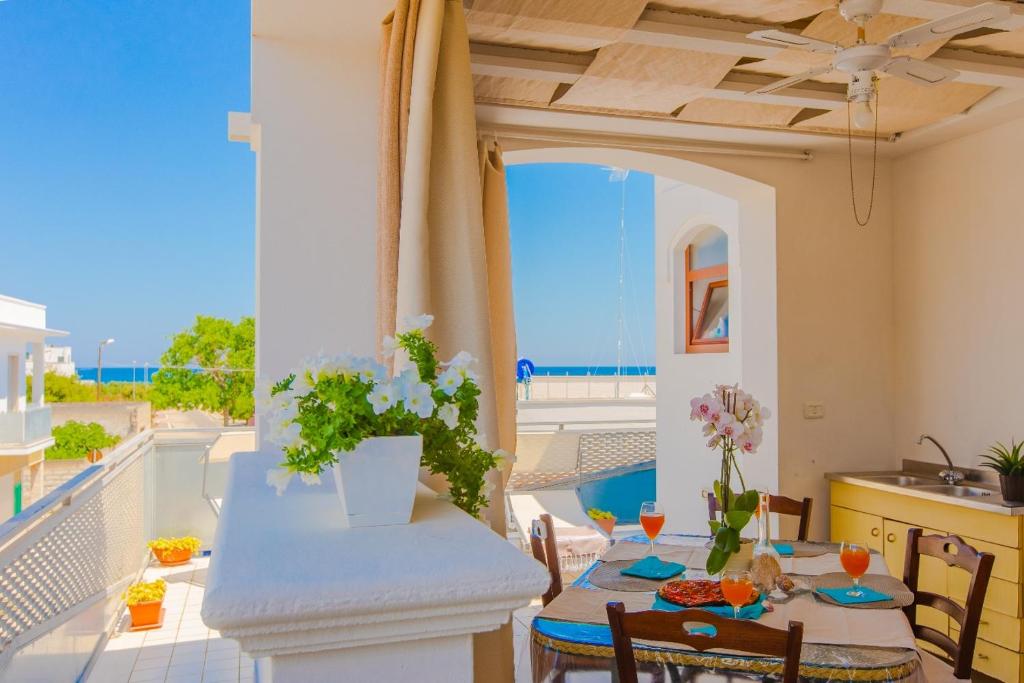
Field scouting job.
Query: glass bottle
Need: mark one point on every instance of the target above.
(764, 529)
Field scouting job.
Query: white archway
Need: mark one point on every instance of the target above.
(688, 197)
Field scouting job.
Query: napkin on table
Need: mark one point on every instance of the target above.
(652, 567)
(841, 595)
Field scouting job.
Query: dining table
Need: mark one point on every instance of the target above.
(570, 638)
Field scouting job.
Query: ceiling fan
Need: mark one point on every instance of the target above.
(863, 59)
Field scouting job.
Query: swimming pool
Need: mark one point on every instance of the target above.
(621, 494)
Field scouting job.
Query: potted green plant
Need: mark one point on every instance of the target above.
(145, 601)
(374, 430)
(1009, 463)
(171, 552)
(603, 519)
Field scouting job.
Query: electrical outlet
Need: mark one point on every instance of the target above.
(814, 411)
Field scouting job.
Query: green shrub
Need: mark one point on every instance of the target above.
(61, 389)
(75, 440)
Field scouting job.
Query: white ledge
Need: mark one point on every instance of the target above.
(286, 578)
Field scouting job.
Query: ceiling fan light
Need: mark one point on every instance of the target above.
(863, 116)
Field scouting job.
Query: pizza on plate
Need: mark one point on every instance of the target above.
(695, 593)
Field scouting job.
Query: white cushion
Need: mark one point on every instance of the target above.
(936, 670)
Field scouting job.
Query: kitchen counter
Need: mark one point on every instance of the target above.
(921, 480)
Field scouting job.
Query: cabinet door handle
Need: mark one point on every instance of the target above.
(875, 532)
(891, 538)
(983, 623)
(981, 655)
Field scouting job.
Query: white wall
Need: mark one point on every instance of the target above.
(835, 316)
(314, 94)
(959, 282)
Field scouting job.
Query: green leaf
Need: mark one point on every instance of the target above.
(738, 519)
(747, 501)
(715, 526)
(716, 561)
(727, 539)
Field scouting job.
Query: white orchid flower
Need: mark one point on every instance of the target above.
(450, 380)
(382, 397)
(418, 400)
(279, 477)
(309, 479)
(449, 414)
(388, 346)
(420, 322)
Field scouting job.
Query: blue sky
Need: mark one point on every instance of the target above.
(565, 263)
(124, 207)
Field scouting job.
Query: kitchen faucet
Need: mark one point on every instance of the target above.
(951, 476)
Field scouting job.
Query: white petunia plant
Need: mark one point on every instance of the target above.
(733, 422)
(330, 405)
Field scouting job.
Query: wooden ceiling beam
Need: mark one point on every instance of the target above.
(544, 65)
(936, 9)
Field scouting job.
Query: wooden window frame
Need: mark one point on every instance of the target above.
(719, 276)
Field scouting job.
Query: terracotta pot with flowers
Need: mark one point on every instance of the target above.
(603, 519)
(373, 429)
(171, 552)
(145, 602)
(733, 422)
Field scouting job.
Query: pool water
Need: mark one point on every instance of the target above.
(621, 495)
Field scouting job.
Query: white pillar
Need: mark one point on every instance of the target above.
(38, 373)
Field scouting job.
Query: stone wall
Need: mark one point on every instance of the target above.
(123, 418)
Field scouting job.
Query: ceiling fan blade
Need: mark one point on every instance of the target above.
(791, 81)
(786, 39)
(917, 71)
(976, 17)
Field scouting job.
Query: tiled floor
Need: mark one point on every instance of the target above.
(183, 650)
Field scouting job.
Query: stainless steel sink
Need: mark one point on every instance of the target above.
(957, 491)
(902, 480)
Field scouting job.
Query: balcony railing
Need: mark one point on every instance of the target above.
(65, 559)
(25, 427)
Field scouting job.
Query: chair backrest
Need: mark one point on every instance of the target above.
(779, 505)
(956, 553)
(731, 634)
(545, 551)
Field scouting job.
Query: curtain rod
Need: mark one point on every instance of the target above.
(636, 142)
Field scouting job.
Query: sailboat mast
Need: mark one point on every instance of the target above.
(622, 276)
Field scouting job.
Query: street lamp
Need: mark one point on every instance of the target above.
(99, 365)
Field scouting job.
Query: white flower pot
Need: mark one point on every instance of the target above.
(377, 481)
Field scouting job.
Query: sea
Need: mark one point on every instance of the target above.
(123, 374)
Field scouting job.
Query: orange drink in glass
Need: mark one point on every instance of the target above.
(652, 518)
(855, 559)
(737, 588)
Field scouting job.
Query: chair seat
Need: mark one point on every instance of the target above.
(937, 670)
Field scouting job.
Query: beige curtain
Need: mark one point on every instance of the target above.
(443, 243)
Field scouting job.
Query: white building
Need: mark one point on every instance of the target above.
(24, 423)
(57, 359)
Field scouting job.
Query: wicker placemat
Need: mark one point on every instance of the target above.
(901, 595)
(609, 575)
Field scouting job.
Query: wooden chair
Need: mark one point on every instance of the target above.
(779, 505)
(731, 634)
(545, 551)
(956, 553)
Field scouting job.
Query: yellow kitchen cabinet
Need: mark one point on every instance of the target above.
(883, 518)
(850, 525)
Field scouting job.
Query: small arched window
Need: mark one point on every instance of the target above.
(706, 292)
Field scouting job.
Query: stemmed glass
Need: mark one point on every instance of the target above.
(737, 588)
(652, 518)
(855, 558)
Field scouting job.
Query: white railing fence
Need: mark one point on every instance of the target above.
(65, 560)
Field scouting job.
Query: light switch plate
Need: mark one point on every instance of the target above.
(814, 411)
